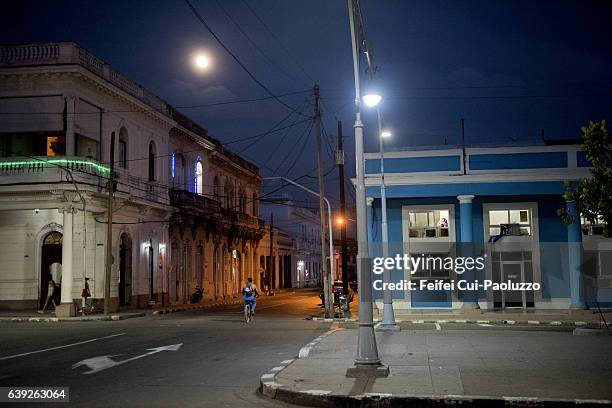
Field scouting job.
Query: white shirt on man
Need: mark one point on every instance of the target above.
(56, 272)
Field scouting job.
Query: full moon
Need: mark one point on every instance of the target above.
(201, 61)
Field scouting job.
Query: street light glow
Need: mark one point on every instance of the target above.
(371, 100)
(340, 221)
(385, 133)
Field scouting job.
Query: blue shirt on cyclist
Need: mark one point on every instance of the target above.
(249, 293)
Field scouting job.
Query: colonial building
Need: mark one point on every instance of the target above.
(498, 203)
(184, 210)
(215, 235)
(302, 266)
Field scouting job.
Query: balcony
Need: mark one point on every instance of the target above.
(209, 210)
(46, 170)
(201, 205)
(244, 220)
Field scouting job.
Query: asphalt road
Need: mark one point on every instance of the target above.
(218, 363)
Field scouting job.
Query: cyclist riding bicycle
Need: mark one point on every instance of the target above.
(249, 293)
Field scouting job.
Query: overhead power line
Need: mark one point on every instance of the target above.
(269, 30)
(257, 47)
(226, 48)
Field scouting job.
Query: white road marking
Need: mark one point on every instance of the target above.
(60, 347)
(101, 363)
(438, 326)
(485, 325)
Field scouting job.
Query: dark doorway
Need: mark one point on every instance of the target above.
(151, 269)
(51, 252)
(125, 270)
(287, 271)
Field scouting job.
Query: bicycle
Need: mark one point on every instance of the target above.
(248, 311)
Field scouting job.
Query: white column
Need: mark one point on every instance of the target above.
(70, 142)
(67, 306)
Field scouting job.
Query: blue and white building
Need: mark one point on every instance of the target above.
(448, 201)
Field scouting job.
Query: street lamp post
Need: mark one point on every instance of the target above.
(388, 323)
(367, 362)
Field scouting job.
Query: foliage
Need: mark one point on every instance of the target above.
(593, 195)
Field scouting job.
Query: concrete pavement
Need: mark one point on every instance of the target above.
(452, 364)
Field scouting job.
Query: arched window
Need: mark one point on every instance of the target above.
(152, 154)
(198, 178)
(123, 148)
(228, 195)
(242, 201)
(216, 192)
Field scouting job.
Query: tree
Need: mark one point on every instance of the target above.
(593, 195)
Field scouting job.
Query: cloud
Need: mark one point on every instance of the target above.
(207, 93)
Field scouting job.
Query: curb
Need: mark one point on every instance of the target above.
(269, 388)
(100, 318)
(305, 351)
(475, 321)
(194, 307)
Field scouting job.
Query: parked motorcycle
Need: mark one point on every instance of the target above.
(197, 296)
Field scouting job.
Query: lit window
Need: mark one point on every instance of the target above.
(429, 224)
(199, 181)
(592, 227)
(509, 222)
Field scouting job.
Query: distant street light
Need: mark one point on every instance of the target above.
(385, 133)
(371, 100)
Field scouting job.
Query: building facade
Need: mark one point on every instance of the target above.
(497, 203)
(60, 107)
(302, 225)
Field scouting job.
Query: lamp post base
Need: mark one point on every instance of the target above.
(388, 327)
(368, 371)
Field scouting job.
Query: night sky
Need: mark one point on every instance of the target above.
(510, 68)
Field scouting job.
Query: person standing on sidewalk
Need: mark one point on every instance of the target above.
(56, 275)
(53, 289)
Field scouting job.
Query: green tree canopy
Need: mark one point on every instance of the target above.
(593, 195)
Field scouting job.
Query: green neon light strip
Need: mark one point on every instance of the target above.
(99, 167)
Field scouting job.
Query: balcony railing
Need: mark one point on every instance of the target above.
(28, 170)
(70, 53)
(186, 200)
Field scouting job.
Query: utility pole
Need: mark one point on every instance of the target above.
(271, 264)
(327, 283)
(463, 145)
(109, 228)
(340, 162)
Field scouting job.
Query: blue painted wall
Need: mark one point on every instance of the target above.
(552, 236)
(551, 160)
(414, 164)
(477, 189)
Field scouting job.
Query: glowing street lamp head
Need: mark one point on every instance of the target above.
(202, 61)
(371, 100)
(340, 221)
(385, 133)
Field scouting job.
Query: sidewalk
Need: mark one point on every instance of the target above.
(546, 317)
(454, 367)
(21, 316)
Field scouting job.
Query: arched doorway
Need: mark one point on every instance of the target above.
(218, 275)
(174, 272)
(236, 270)
(125, 270)
(51, 252)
